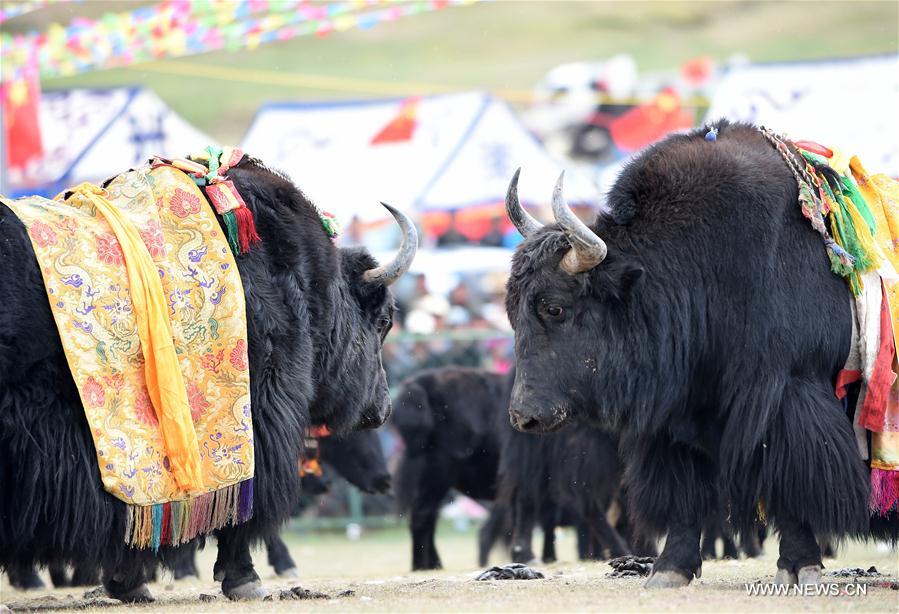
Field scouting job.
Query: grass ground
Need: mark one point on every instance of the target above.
(501, 46)
(376, 568)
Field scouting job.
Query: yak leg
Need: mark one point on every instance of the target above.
(60, 576)
(239, 580)
(279, 557)
(585, 546)
(423, 522)
(750, 542)
(672, 486)
(523, 520)
(182, 560)
(24, 577)
(709, 548)
(494, 526)
(679, 560)
(85, 574)
(548, 523)
(639, 543)
(127, 581)
(800, 556)
(607, 537)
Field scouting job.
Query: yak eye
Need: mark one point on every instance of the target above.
(384, 324)
(554, 311)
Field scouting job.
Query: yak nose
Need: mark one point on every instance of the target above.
(523, 422)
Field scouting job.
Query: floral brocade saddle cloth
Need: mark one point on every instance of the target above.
(150, 309)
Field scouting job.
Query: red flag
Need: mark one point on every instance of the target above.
(402, 127)
(20, 98)
(649, 122)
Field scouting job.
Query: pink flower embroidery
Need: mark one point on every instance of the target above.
(108, 249)
(94, 395)
(183, 203)
(152, 238)
(143, 407)
(239, 355)
(198, 403)
(212, 362)
(42, 234)
(68, 225)
(115, 381)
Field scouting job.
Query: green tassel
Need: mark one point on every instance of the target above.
(231, 227)
(851, 190)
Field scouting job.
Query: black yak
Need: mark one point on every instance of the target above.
(316, 318)
(700, 319)
(359, 459)
(455, 427)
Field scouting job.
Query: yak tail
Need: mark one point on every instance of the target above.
(808, 468)
(414, 419)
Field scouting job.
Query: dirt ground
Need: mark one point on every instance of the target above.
(376, 569)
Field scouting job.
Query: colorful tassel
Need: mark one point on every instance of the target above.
(177, 522)
(231, 230)
(246, 229)
(884, 490)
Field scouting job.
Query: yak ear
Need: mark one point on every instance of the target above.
(618, 278)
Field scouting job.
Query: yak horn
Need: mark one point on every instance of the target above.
(519, 217)
(393, 270)
(587, 249)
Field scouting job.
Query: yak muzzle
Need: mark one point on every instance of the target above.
(530, 421)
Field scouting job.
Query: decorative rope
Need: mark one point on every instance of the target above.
(812, 203)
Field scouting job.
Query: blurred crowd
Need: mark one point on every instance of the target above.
(467, 326)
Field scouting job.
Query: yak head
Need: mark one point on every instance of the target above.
(359, 458)
(563, 307)
(356, 374)
(317, 314)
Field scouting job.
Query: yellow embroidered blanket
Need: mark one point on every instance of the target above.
(150, 310)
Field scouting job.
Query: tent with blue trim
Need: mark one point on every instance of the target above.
(428, 155)
(92, 134)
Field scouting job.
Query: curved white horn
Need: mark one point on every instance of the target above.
(587, 249)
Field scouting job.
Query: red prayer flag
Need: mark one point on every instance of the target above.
(650, 122)
(20, 99)
(402, 127)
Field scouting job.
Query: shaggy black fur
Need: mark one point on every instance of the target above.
(314, 329)
(455, 426)
(710, 337)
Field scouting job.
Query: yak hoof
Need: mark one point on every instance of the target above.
(667, 579)
(810, 574)
(290, 572)
(785, 577)
(248, 591)
(139, 594)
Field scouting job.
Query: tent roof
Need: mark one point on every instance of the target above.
(91, 134)
(458, 150)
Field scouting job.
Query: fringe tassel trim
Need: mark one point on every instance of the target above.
(177, 522)
(884, 491)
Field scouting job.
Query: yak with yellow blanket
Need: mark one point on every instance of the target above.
(145, 400)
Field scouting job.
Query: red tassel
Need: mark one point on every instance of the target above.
(246, 229)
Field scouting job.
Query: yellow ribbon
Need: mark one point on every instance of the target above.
(161, 368)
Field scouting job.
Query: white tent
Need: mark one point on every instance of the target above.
(849, 104)
(458, 150)
(91, 134)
